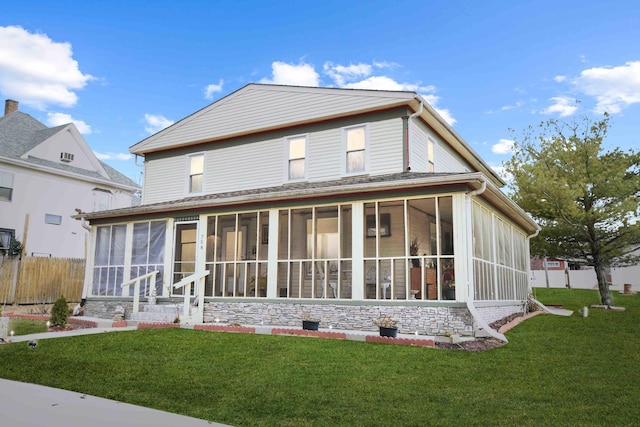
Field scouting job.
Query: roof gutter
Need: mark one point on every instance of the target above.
(477, 317)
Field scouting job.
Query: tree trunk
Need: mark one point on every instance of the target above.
(603, 286)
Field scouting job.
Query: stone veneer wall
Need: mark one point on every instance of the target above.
(425, 320)
(106, 309)
(491, 313)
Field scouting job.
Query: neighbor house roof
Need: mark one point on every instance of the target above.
(20, 133)
(257, 108)
(360, 185)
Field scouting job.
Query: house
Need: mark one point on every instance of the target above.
(276, 202)
(46, 175)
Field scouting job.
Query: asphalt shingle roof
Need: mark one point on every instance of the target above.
(20, 133)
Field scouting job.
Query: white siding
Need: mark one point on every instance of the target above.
(164, 179)
(386, 147)
(445, 158)
(39, 193)
(260, 161)
(260, 107)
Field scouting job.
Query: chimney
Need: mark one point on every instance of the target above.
(10, 106)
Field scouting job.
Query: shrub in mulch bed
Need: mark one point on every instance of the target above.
(226, 328)
(157, 325)
(307, 333)
(401, 341)
(82, 323)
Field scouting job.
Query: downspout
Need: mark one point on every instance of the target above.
(477, 317)
(407, 167)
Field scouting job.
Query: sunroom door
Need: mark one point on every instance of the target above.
(184, 258)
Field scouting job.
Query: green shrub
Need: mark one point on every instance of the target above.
(60, 312)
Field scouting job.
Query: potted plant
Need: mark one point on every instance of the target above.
(310, 324)
(388, 326)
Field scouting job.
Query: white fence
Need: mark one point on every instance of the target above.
(586, 279)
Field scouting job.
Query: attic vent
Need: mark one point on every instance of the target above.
(66, 157)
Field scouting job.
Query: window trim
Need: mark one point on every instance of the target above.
(189, 158)
(287, 158)
(431, 149)
(345, 151)
(12, 177)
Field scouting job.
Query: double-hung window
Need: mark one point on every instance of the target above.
(6, 186)
(196, 172)
(297, 159)
(356, 146)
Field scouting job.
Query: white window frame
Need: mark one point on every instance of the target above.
(189, 175)
(345, 150)
(287, 158)
(7, 178)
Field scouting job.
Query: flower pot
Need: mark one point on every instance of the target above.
(310, 325)
(388, 332)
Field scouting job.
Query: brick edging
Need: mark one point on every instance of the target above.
(401, 341)
(307, 333)
(224, 328)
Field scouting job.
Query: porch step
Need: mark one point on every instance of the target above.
(158, 313)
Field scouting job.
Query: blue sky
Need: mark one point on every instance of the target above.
(122, 70)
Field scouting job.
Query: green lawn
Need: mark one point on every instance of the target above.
(554, 371)
(27, 327)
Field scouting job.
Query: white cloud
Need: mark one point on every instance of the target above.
(296, 75)
(517, 104)
(562, 105)
(560, 79)
(613, 87)
(341, 74)
(502, 173)
(212, 89)
(504, 146)
(353, 76)
(156, 123)
(113, 156)
(38, 71)
(57, 119)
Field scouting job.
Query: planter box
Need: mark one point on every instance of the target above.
(388, 332)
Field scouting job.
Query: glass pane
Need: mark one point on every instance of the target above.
(355, 139)
(197, 164)
(297, 148)
(296, 169)
(195, 184)
(102, 245)
(446, 225)
(156, 242)
(118, 233)
(355, 161)
(140, 243)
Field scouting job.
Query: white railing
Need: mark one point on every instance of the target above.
(198, 279)
(136, 288)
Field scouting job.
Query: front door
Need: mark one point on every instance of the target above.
(184, 258)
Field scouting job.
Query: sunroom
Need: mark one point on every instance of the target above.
(406, 241)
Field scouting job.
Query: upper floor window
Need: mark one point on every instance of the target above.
(430, 162)
(6, 186)
(297, 160)
(52, 219)
(196, 173)
(356, 146)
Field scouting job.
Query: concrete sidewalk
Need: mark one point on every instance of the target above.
(27, 405)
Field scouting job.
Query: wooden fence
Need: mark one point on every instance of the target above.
(35, 280)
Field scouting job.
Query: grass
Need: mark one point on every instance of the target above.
(554, 371)
(27, 327)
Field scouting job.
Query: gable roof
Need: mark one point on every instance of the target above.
(20, 134)
(258, 108)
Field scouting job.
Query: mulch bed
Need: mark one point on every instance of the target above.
(481, 344)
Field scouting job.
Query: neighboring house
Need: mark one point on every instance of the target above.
(343, 204)
(46, 174)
